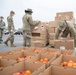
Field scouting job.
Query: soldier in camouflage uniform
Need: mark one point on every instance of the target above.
(66, 28)
(10, 29)
(2, 26)
(27, 27)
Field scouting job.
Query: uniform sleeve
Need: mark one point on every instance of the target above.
(72, 32)
(31, 22)
(57, 33)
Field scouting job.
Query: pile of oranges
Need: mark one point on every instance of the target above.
(69, 64)
(23, 58)
(27, 72)
(44, 60)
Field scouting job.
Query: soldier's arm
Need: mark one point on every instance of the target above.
(57, 33)
(32, 22)
(72, 32)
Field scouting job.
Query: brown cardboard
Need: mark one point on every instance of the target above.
(67, 44)
(64, 16)
(6, 53)
(51, 36)
(51, 58)
(38, 44)
(51, 43)
(5, 63)
(51, 29)
(54, 70)
(41, 28)
(18, 54)
(34, 68)
(63, 58)
(53, 23)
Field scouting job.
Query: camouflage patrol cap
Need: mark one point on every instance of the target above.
(62, 25)
(12, 12)
(1, 17)
(29, 10)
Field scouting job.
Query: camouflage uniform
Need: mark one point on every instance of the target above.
(27, 28)
(2, 26)
(11, 31)
(69, 29)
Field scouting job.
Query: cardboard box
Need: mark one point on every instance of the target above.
(64, 44)
(22, 66)
(64, 16)
(38, 44)
(19, 54)
(51, 29)
(67, 52)
(51, 58)
(53, 23)
(51, 36)
(5, 63)
(6, 53)
(54, 70)
(51, 43)
(64, 58)
(41, 28)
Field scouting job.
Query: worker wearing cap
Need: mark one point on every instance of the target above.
(11, 29)
(27, 27)
(2, 26)
(65, 28)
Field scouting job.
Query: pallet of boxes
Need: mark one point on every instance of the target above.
(39, 35)
(51, 32)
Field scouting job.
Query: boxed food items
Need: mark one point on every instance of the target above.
(64, 44)
(20, 56)
(5, 63)
(26, 68)
(65, 61)
(55, 70)
(43, 58)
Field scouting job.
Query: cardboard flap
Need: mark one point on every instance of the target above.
(57, 61)
(15, 55)
(33, 67)
(6, 62)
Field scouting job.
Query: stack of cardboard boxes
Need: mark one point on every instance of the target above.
(39, 35)
(51, 31)
(64, 16)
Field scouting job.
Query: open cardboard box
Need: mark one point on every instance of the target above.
(63, 58)
(22, 66)
(19, 54)
(5, 63)
(64, 44)
(6, 53)
(50, 57)
(55, 70)
(67, 52)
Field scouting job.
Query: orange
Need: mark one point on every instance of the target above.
(70, 65)
(41, 60)
(64, 63)
(45, 59)
(28, 72)
(0, 57)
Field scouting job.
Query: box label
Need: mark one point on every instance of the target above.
(62, 47)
